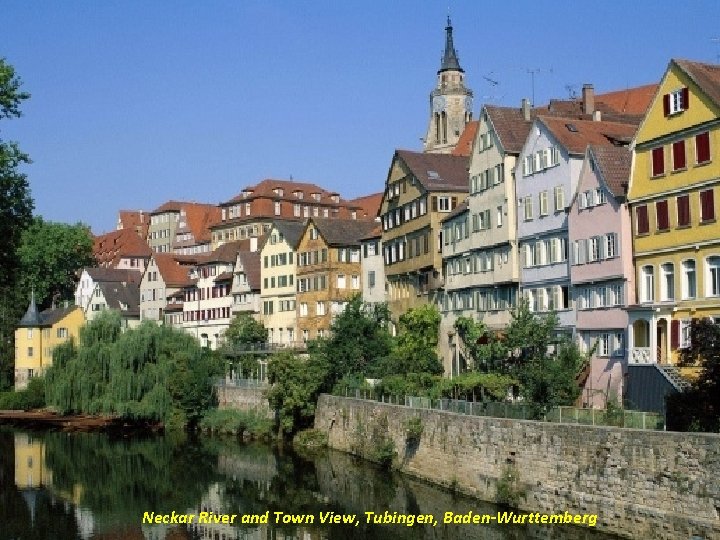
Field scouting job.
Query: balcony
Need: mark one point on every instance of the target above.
(641, 355)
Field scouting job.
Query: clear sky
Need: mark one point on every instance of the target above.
(138, 102)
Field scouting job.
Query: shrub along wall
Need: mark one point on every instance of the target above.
(641, 484)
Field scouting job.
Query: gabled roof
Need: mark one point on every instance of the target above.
(437, 172)
(629, 101)
(369, 205)
(267, 188)
(225, 253)
(198, 219)
(291, 231)
(136, 220)
(108, 275)
(251, 265)
(169, 206)
(613, 163)
(124, 297)
(109, 248)
(576, 135)
(342, 232)
(173, 273)
(375, 233)
(706, 76)
(459, 209)
(510, 127)
(46, 318)
(465, 142)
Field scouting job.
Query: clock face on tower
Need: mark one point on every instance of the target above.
(438, 103)
(468, 104)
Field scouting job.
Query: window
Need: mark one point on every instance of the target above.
(667, 285)
(647, 282)
(610, 245)
(689, 279)
(528, 163)
(658, 161)
(603, 345)
(583, 299)
(619, 342)
(707, 205)
(683, 210)
(554, 156)
(63, 332)
(676, 101)
(303, 309)
(601, 297)
(277, 208)
(320, 308)
(29, 333)
(712, 288)
(528, 208)
(684, 333)
(594, 244)
(341, 281)
(355, 281)
(642, 221)
(702, 148)
(543, 202)
(661, 211)
(371, 279)
(616, 295)
(678, 152)
(443, 204)
(30, 352)
(559, 196)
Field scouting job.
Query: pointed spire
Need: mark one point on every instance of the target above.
(450, 59)
(31, 317)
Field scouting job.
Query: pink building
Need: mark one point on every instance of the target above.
(601, 269)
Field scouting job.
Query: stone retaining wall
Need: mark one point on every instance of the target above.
(641, 484)
(233, 397)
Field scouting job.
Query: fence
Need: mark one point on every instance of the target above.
(526, 411)
(242, 383)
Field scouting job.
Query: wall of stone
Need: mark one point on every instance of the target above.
(641, 484)
(233, 397)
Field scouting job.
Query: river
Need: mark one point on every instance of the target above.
(66, 486)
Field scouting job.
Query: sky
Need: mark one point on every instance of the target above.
(135, 103)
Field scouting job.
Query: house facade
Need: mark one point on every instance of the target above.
(246, 284)
(36, 336)
(675, 183)
(372, 267)
(164, 276)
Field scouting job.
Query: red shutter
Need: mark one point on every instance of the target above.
(702, 147)
(643, 225)
(658, 161)
(683, 210)
(661, 209)
(666, 104)
(707, 205)
(685, 99)
(674, 334)
(678, 149)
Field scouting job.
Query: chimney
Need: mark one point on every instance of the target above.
(525, 106)
(588, 99)
(597, 116)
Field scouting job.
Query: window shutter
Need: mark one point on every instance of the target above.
(658, 161)
(685, 99)
(678, 149)
(661, 208)
(602, 251)
(582, 252)
(453, 203)
(707, 205)
(702, 147)
(643, 225)
(666, 104)
(434, 203)
(674, 334)
(683, 210)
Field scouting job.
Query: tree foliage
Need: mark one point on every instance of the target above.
(16, 207)
(151, 372)
(415, 349)
(51, 255)
(244, 334)
(698, 409)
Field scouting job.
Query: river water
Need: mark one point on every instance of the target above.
(88, 486)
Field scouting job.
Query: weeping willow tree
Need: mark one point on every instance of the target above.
(152, 372)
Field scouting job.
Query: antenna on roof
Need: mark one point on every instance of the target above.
(571, 90)
(532, 72)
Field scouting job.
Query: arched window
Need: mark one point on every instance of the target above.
(443, 118)
(437, 127)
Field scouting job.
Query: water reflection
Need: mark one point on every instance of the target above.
(87, 486)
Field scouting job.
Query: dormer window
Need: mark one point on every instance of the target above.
(316, 196)
(298, 194)
(278, 191)
(335, 198)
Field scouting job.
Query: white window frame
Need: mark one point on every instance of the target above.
(687, 271)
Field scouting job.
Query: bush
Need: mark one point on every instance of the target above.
(413, 430)
(311, 438)
(32, 397)
(384, 453)
(236, 422)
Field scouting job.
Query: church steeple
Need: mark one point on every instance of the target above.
(32, 316)
(450, 101)
(450, 59)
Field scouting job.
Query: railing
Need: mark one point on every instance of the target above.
(526, 411)
(262, 347)
(242, 383)
(641, 355)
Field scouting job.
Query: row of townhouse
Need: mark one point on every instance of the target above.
(609, 224)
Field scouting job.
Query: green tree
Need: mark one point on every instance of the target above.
(359, 340)
(51, 256)
(296, 384)
(698, 408)
(244, 334)
(415, 347)
(16, 207)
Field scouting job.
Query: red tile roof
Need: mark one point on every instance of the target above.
(465, 142)
(137, 220)
(110, 247)
(437, 172)
(250, 261)
(266, 189)
(510, 126)
(198, 219)
(706, 76)
(173, 273)
(369, 204)
(630, 101)
(614, 165)
(576, 135)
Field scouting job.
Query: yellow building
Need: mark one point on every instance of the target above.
(676, 235)
(37, 334)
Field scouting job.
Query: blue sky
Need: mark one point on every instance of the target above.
(135, 103)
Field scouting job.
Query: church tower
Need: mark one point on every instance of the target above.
(450, 102)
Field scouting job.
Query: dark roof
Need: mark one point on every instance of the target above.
(225, 276)
(250, 261)
(118, 295)
(614, 165)
(32, 316)
(226, 252)
(459, 209)
(450, 58)
(343, 232)
(510, 126)
(437, 172)
(375, 233)
(706, 76)
(106, 275)
(576, 135)
(45, 318)
(291, 231)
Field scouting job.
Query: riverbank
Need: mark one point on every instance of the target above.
(44, 419)
(640, 484)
